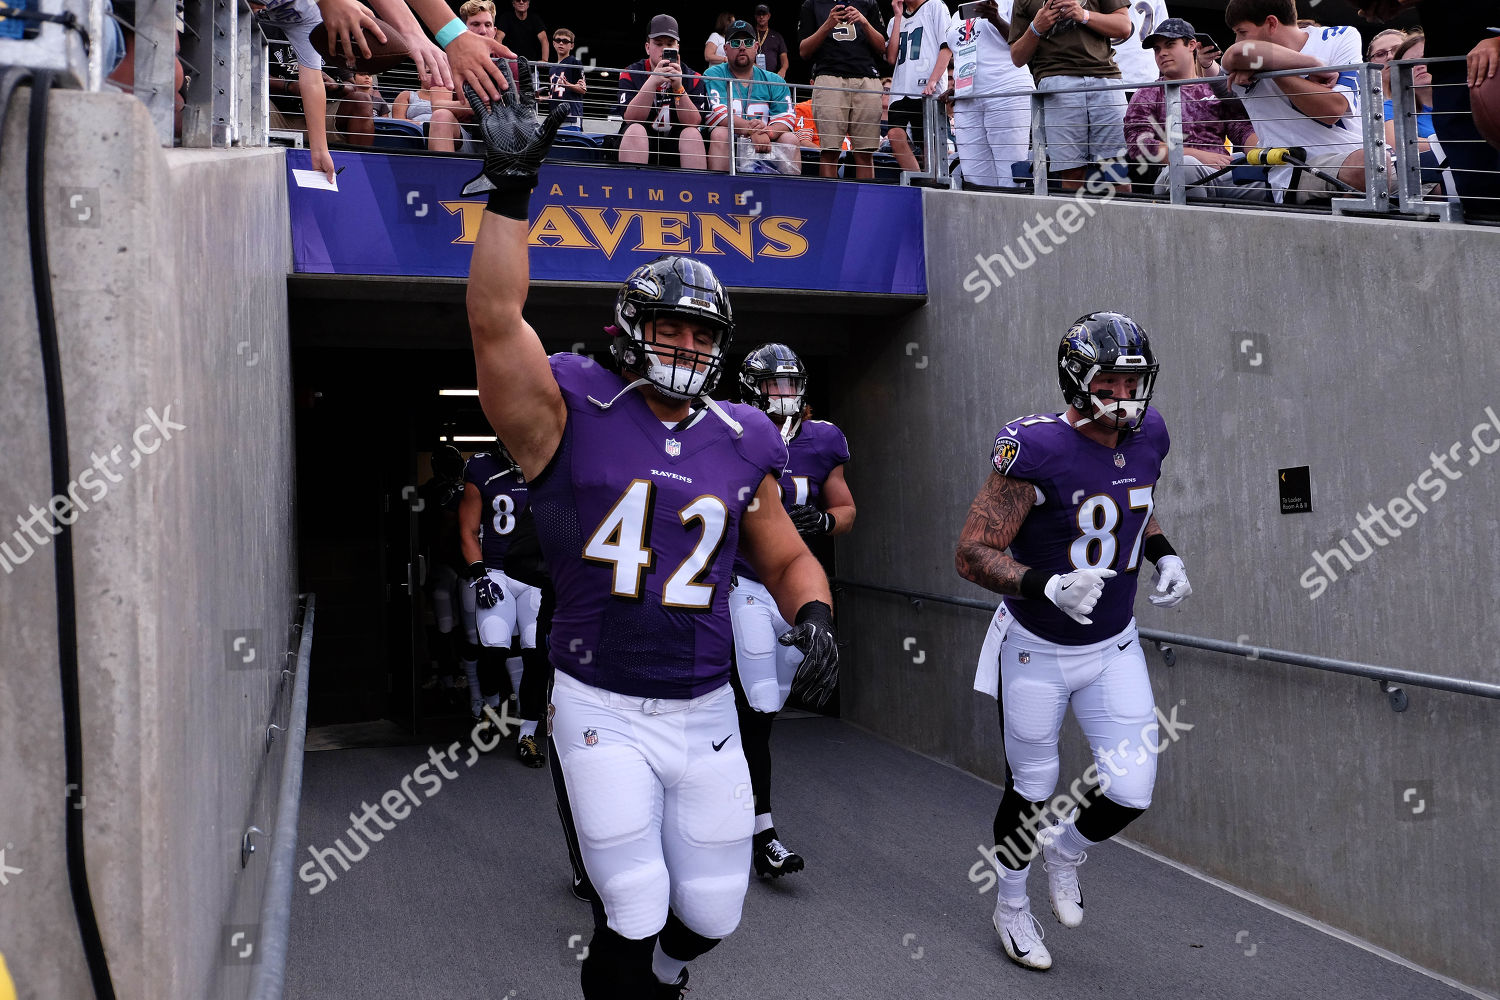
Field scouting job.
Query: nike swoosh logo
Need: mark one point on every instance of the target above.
(1065, 586)
(1124, 644)
(1017, 948)
(720, 745)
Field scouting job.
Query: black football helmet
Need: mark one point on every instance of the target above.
(773, 367)
(672, 286)
(1107, 342)
(447, 462)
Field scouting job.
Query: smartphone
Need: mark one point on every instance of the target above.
(671, 55)
(968, 11)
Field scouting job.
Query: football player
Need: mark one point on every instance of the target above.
(773, 379)
(492, 511)
(644, 489)
(1072, 496)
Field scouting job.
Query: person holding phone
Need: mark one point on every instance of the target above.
(1067, 45)
(663, 104)
(842, 39)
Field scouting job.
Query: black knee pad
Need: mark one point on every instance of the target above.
(1101, 817)
(618, 968)
(681, 942)
(1016, 821)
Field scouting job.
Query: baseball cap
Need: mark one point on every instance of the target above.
(1172, 27)
(738, 29)
(762, 9)
(664, 24)
(1206, 40)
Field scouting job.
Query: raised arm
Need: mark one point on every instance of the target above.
(517, 390)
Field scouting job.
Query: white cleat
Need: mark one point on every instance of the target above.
(1021, 935)
(1062, 879)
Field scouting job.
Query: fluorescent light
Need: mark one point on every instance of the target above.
(458, 392)
(474, 437)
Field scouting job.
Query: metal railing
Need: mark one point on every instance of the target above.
(1387, 677)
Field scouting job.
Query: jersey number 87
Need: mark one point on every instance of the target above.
(1098, 517)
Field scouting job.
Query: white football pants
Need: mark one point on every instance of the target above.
(765, 666)
(516, 613)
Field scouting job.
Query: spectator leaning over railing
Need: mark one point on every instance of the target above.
(1066, 43)
(751, 103)
(770, 46)
(918, 34)
(1459, 28)
(992, 131)
(1318, 112)
(842, 40)
(662, 104)
(296, 19)
(523, 32)
(1208, 119)
(566, 80)
(1208, 56)
(1135, 62)
(479, 17)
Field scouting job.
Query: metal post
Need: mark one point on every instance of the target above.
(1174, 143)
(155, 62)
(198, 52)
(1408, 165)
(226, 76)
(1377, 197)
(1038, 145)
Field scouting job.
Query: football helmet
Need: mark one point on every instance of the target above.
(680, 287)
(447, 462)
(1107, 342)
(774, 379)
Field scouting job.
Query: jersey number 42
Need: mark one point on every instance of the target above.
(623, 542)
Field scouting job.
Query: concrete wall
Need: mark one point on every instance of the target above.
(171, 299)
(1377, 349)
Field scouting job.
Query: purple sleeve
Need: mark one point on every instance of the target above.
(1142, 118)
(1236, 120)
(1020, 450)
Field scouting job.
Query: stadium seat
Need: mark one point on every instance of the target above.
(577, 147)
(393, 133)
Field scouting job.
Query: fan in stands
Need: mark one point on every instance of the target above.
(383, 55)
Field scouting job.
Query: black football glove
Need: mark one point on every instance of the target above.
(487, 592)
(514, 141)
(818, 674)
(810, 521)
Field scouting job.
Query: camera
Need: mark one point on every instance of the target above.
(968, 11)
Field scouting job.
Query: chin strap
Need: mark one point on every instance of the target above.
(634, 385)
(734, 425)
(789, 427)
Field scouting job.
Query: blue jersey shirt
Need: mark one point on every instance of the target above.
(1091, 509)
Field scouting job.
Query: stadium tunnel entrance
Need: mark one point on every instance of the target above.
(379, 369)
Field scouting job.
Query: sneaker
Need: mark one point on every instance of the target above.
(483, 733)
(673, 991)
(1062, 879)
(1021, 935)
(529, 753)
(772, 858)
(583, 890)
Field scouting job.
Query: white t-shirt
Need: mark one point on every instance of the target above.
(923, 34)
(981, 57)
(717, 41)
(1138, 65)
(1278, 122)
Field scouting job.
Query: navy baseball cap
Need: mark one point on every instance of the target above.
(1172, 27)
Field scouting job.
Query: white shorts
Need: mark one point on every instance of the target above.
(765, 666)
(991, 134)
(514, 615)
(661, 799)
(1110, 691)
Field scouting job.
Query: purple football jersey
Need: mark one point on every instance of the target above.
(640, 523)
(816, 451)
(1093, 506)
(503, 493)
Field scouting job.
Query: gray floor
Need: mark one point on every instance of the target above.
(468, 898)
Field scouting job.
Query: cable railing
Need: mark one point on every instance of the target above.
(1387, 677)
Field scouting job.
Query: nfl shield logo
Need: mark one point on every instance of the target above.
(1119, 460)
(674, 447)
(590, 736)
(1025, 657)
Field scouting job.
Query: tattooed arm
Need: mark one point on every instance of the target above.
(994, 518)
(1153, 527)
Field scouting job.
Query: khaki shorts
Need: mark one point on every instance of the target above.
(843, 112)
(1312, 188)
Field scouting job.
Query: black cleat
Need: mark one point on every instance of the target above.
(583, 890)
(673, 991)
(772, 859)
(529, 753)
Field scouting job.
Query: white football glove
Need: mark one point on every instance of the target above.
(1171, 583)
(1077, 592)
